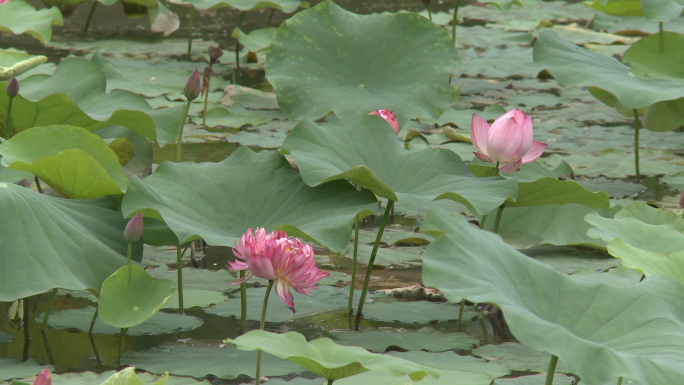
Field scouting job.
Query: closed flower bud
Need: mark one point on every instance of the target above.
(43, 378)
(134, 228)
(13, 88)
(193, 86)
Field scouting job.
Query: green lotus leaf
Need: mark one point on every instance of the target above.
(328, 59)
(14, 368)
(18, 16)
(617, 7)
(549, 191)
(366, 151)
(600, 332)
(327, 359)
(15, 63)
(75, 244)
(257, 40)
(131, 296)
(572, 65)
(662, 10)
(75, 95)
(185, 195)
(128, 377)
(76, 163)
(67, 7)
(287, 6)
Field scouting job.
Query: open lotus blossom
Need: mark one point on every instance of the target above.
(507, 142)
(272, 256)
(389, 117)
(43, 378)
(4, 1)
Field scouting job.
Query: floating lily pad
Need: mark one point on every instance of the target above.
(537, 379)
(412, 312)
(517, 357)
(19, 17)
(349, 73)
(195, 298)
(379, 341)
(222, 117)
(451, 360)
(197, 279)
(13, 368)
(388, 256)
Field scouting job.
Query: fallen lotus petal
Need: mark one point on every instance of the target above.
(389, 117)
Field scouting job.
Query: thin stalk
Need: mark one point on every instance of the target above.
(206, 101)
(179, 262)
(92, 323)
(49, 307)
(90, 17)
(192, 20)
(122, 338)
(460, 312)
(8, 124)
(620, 379)
(51, 358)
(27, 328)
(369, 269)
(40, 189)
(455, 21)
(350, 306)
(261, 327)
(337, 261)
(636, 144)
(128, 255)
(330, 382)
(429, 11)
(661, 37)
(237, 50)
(550, 371)
(243, 303)
(270, 17)
(497, 221)
(179, 139)
(97, 354)
(483, 221)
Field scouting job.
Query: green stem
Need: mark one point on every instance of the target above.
(661, 37)
(27, 328)
(460, 312)
(8, 124)
(128, 255)
(337, 261)
(429, 11)
(499, 212)
(192, 20)
(330, 382)
(496, 168)
(483, 221)
(40, 189)
(551, 370)
(369, 269)
(407, 146)
(97, 354)
(636, 144)
(261, 327)
(49, 307)
(620, 379)
(179, 270)
(357, 223)
(92, 323)
(237, 51)
(90, 17)
(243, 303)
(122, 338)
(206, 100)
(455, 21)
(179, 139)
(270, 17)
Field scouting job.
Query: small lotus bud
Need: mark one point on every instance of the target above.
(681, 201)
(193, 86)
(13, 88)
(134, 228)
(214, 54)
(43, 378)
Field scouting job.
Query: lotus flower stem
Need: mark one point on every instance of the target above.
(206, 101)
(369, 269)
(179, 140)
(262, 325)
(129, 253)
(270, 17)
(49, 307)
(40, 189)
(636, 144)
(330, 382)
(429, 11)
(455, 21)
(179, 263)
(90, 17)
(551, 370)
(190, 23)
(92, 323)
(483, 221)
(661, 37)
(620, 379)
(243, 303)
(51, 358)
(499, 212)
(357, 224)
(8, 124)
(237, 50)
(122, 339)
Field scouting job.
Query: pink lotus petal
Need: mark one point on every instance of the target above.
(535, 152)
(4, 1)
(511, 167)
(483, 157)
(237, 265)
(389, 117)
(283, 291)
(44, 377)
(479, 128)
(261, 266)
(507, 141)
(244, 279)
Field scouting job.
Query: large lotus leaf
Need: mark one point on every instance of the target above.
(327, 359)
(75, 95)
(131, 296)
(662, 10)
(366, 151)
(14, 63)
(185, 195)
(380, 341)
(67, 6)
(287, 6)
(600, 332)
(617, 7)
(128, 377)
(257, 40)
(18, 16)
(74, 162)
(53, 242)
(328, 59)
(13, 368)
(572, 65)
(549, 191)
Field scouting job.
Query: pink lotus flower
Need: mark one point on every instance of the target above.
(508, 141)
(275, 257)
(44, 376)
(4, 1)
(681, 201)
(389, 117)
(134, 228)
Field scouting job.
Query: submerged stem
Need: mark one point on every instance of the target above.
(51, 303)
(90, 17)
(237, 51)
(179, 262)
(369, 269)
(636, 144)
(243, 303)
(357, 222)
(192, 20)
(179, 139)
(497, 221)
(550, 371)
(455, 21)
(261, 327)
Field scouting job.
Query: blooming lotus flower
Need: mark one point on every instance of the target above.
(272, 256)
(134, 228)
(389, 117)
(508, 141)
(44, 376)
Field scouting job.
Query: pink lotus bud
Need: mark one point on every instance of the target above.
(681, 201)
(13, 86)
(508, 141)
(44, 376)
(4, 1)
(134, 228)
(389, 117)
(193, 86)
